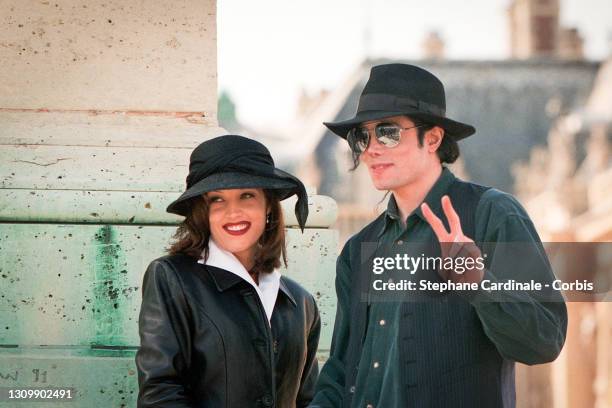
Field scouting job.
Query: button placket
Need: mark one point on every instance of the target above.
(268, 401)
(375, 363)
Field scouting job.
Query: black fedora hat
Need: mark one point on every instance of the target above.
(402, 89)
(232, 161)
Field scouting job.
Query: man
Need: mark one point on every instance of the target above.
(453, 348)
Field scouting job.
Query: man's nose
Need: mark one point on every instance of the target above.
(374, 147)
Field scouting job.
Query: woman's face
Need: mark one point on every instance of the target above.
(237, 220)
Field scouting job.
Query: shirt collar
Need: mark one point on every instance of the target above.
(285, 289)
(269, 283)
(433, 199)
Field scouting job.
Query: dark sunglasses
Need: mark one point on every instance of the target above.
(387, 134)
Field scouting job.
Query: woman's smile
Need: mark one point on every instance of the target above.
(237, 228)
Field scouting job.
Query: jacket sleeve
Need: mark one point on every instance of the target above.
(165, 340)
(525, 326)
(330, 386)
(311, 367)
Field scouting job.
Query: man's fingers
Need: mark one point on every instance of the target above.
(468, 249)
(435, 222)
(456, 246)
(451, 215)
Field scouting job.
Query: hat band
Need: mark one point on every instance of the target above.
(371, 102)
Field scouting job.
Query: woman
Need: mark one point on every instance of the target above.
(219, 326)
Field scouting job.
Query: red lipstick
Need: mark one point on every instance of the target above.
(237, 228)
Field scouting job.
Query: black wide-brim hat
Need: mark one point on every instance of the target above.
(231, 162)
(402, 89)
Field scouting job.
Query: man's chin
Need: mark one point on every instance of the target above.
(382, 186)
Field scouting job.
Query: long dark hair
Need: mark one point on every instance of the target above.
(192, 235)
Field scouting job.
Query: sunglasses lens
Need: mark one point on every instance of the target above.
(358, 139)
(388, 134)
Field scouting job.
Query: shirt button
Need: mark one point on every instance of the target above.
(382, 322)
(376, 364)
(369, 406)
(268, 401)
(352, 389)
(400, 242)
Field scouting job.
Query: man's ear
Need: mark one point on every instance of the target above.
(433, 138)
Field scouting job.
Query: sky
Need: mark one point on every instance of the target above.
(269, 50)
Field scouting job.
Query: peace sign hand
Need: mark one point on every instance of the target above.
(454, 244)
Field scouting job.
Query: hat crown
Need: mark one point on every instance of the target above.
(222, 154)
(221, 145)
(402, 89)
(406, 81)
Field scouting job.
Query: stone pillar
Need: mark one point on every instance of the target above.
(100, 105)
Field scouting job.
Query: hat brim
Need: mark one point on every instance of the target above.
(230, 180)
(456, 130)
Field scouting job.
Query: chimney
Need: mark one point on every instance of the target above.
(534, 28)
(433, 46)
(571, 44)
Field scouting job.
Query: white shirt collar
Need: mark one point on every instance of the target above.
(269, 283)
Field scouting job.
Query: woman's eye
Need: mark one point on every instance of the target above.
(248, 195)
(215, 199)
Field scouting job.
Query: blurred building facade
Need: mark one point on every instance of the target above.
(567, 188)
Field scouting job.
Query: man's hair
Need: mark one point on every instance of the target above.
(447, 152)
(192, 235)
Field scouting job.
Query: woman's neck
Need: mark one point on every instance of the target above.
(247, 259)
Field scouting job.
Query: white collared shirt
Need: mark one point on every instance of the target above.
(269, 283)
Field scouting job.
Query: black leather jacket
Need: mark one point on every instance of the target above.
(205, 340)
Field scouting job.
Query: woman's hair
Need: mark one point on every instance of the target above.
(192, 235)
